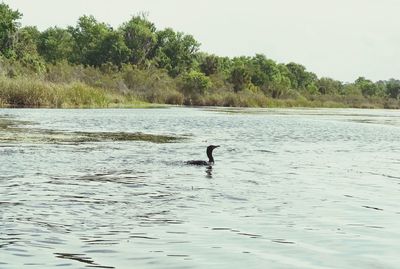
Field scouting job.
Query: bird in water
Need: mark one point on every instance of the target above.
(209, 155)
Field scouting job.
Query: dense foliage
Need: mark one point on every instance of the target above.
(140, 61)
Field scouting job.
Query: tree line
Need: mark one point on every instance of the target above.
(137, 51)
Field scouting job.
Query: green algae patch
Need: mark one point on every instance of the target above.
(5, 124)
(9, 123)
(123, 136)
(138, 105)
(14, 131)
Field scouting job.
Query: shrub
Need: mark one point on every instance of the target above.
(195, 82)
(152, 85)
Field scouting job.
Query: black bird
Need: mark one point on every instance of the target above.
(209, 155)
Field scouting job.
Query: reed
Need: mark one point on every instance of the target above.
(24, 92)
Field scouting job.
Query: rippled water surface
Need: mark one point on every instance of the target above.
(289, 189)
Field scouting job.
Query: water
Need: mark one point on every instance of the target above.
(289, 189)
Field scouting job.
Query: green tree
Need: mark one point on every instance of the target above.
(285, 75)
(225, 65)
(299, 76)
(112, 49)
(8, 28)
(209, 64)
(97, 43)
(175, 51)
(26, 41)
(368, 88)
(263, 71)
(140, 37)
(56, 44)
(25, 49)
(240, 78)
(329, 86)
(87, 34)
(393, 88)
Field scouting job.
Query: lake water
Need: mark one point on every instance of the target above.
(290, 188)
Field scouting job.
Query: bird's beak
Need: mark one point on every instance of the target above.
(217, 146)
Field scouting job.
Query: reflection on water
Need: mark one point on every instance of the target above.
(80, 258)
(209, 171)
(289, 189)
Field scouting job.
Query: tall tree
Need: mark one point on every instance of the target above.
(368, 88)
(26, 41)
(329, 86)
(140, 37)
(209, 64)
(240, 78)
(111, 49)
(8, 28)
(299, 76)
(55, 44)
(175, 51)
(393, 88)
(264, 71)
(97, 43)
(25, 49)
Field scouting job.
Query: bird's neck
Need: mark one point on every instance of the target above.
(210, 156)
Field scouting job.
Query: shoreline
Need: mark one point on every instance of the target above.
(32, 92)
(161, 106)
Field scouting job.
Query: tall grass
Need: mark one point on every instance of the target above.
(249, 99)
(23, 92)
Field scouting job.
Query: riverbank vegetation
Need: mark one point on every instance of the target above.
(92, 64)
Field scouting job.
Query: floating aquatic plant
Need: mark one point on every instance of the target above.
(15, 131)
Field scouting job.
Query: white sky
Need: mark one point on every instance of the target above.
(342, 39)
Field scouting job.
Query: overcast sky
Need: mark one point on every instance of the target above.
(342, 39)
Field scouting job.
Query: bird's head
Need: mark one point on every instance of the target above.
(212, 147)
